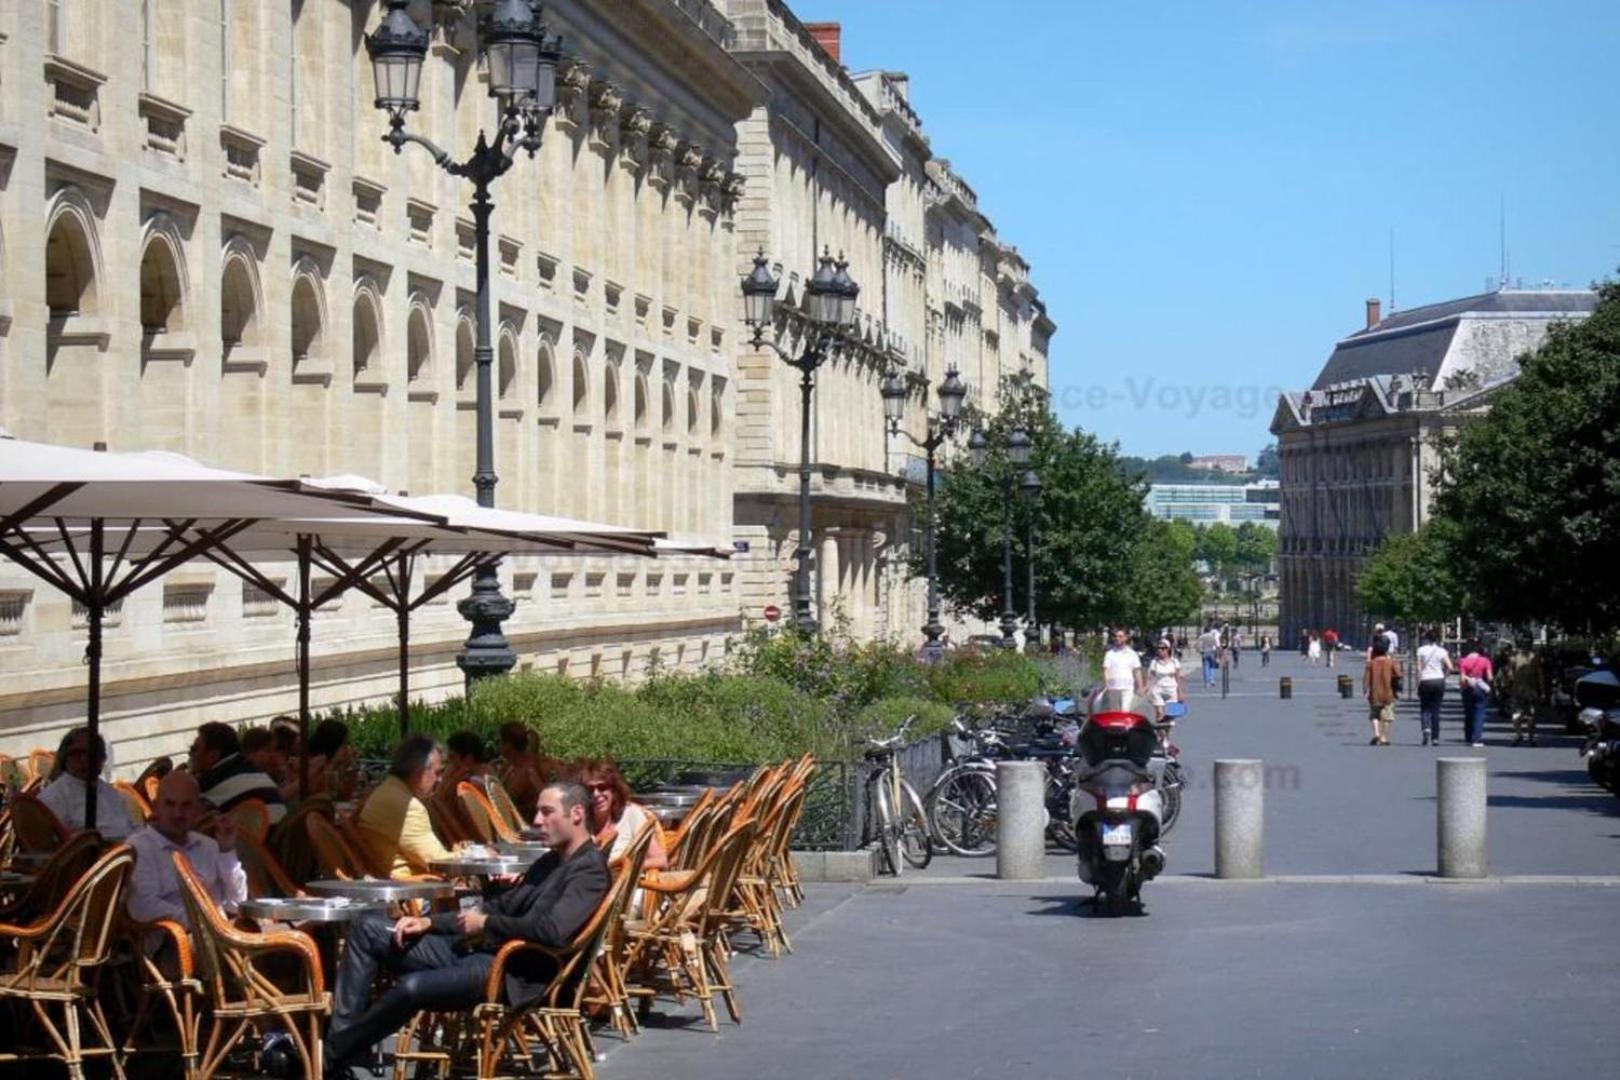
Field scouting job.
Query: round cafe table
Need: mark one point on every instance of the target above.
(520, 849)
(383, 891)
(483, 865)
(310, 909)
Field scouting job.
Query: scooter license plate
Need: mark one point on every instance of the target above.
(1116, 835)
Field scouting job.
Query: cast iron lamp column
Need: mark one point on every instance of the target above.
(830, 309)
(1030, 488)
(1017, 448)
(952, 392)
(522, 62)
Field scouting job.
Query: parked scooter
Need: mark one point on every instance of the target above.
(1118, 805)
(1598, 697)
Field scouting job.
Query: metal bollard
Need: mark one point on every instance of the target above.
(1020, 819)
(1347, 686)
(1285, 688)
(1460, 820)
(1240, 818)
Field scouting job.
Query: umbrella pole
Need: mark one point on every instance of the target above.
(404, 617)
(92, 657)
(305, 557)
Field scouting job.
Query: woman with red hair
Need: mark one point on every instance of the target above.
(614, 819)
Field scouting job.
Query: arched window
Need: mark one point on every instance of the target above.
(238, 301)
(466, 341)
(610, 392)
(693, 410)
(308, 329)
(506, 362)
(367, 330)
(161, 294)
(582, 389)
(418, 343)
(641, 401)
(717, 406)
(545, 376)
(70, 262)
(669, 405)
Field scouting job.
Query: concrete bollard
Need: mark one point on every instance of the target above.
(1461, 816)
(1020, 819)
(1285, 688)
(1240, 818)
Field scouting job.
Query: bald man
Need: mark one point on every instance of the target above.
(154, 887)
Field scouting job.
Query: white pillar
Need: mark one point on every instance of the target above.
(1460, 822)
(1020, 819)
(1239, 818)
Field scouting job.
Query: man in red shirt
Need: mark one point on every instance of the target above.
(1330, 644)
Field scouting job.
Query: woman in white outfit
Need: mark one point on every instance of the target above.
(1314, 653)
(1164, 678)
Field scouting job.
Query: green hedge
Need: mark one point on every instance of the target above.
(774, 697)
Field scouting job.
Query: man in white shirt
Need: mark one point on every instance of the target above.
(1122, 668)
(1394, 640)
(1209, 651)
(65, 795)
(155, 891)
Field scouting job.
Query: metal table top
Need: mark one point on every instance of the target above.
(668, 798)
(482, 865)
(322, 909)
(522, 849)
(382, 891)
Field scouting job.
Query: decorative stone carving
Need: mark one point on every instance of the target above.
(605, 101)
(688, 160)
(732, 187)
(573, 90)
(635, 125)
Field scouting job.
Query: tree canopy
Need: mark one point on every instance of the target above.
(1533, 489)
(1410, 579)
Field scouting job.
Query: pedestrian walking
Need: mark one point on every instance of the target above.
(1237, 647)
(1524, 691)
(1476, 676)
(1313, 652)
(1209, 647)
(1382, 682)
(1433, 665)
(1330, 644)
(1304, 643)
(1265, 650)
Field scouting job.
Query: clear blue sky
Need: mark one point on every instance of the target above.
(1205, 190)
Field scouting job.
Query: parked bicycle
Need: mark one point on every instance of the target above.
(894, 813)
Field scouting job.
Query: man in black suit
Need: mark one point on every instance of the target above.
(443, 962)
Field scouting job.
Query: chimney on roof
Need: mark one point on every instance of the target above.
(828, 35)
(1375, 312)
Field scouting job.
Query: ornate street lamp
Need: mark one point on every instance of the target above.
(1017, 447)
(522, 61)
(1030, 488)
(941, 426)
(830, 297)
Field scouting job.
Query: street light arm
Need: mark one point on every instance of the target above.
(397, 137)
(814, 352)
(937, 434)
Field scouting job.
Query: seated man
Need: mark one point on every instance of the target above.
(465, 758)
(227, 777)
(155, 891)
(394, 825)
(81, 764)
(443, 962)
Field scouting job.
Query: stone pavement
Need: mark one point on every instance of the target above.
(1349, 961)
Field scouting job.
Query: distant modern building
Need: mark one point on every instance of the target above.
(1232, 463)
(1358, 448)
(1205, 504)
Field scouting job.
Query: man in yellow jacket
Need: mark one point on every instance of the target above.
(393, 824)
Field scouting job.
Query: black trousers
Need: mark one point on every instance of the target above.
(433, 973)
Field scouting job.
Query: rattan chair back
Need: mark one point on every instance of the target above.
(135, 801)
(334, 857)
(508, 818)
(252, 818)
(41, 764)
(36, 825)
(57, 951)
(266, 876)
(478, 813)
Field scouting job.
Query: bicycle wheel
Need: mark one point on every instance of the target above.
(1059, 827)
(962, 811)
(881, 823)
(915, 843)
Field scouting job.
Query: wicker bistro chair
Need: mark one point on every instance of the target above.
(36, 826)
(445, 817)
(289, 841)
(170, 982)
(265, 874)
(482, 815)
(607, 980)
(758, 903)
(140, 808)
(240, 993)
(508, 818)
(41, 763)
(252, 819)
(684, 948)
(56, 965)
(335, 856)
(51, 883)
(497, 1038)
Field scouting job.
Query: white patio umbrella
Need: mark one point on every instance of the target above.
(99, 504)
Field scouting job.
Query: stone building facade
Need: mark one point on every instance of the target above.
(206, 247)
(1359, 449)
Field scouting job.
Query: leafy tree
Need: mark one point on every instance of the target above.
(1165, 587)
(1217, 548)
(1267, 466)
(1254, 548)
(1534, 488)
(1410, 578)
(1087, 521)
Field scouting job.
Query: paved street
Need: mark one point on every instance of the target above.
(1386, 973)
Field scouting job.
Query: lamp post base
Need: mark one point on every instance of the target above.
(1009, 631)
(486, 651)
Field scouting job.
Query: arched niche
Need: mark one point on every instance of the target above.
(466, 344)
(669, 406)
(367, 337)
(310, 363)
(73, 269)
(610, 392)
(546, 378)
(717, 407)
(419, 343)
(694, 410)
(582, 385)
(164, 282)
(506, 365)
(641, 401)
(241, 300)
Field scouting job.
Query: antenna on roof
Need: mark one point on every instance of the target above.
(1392, 269)
(1501, 224)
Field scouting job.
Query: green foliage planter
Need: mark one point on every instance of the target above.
(778, 697)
